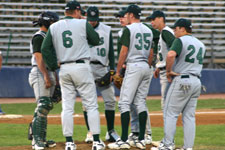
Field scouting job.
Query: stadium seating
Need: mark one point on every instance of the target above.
(208, 18)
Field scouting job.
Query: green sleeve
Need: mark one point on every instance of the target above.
(111, 53)
(177, 46)
(92, 35)
(168, 37)
(119, 45)
(156, 35)
(36, 42)
(125, 38)
(48, 52)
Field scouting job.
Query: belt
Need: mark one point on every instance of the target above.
(37, 66)
(96, 62)
(187, 76)
(162, 68)
(69, 62)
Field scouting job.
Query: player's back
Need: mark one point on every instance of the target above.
(70, 39)
(140, 42)
(191, 57)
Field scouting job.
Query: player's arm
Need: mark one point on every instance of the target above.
(125, 40)
(37, 40)
(111, 53)
(92, 35)
(150, 57)
(168, 37)
(174, 51)
(48, 52)
(0, 60)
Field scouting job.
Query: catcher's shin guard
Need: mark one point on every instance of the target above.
(39, 122)
(30, 134)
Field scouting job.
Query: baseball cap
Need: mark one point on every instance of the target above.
(92, 14)
(155, 14)
(182, 23)
(121, 13)
(135, 9)
(72, 5)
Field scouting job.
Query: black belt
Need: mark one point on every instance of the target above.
(68, 62)
(96, 62)
(162, 68)
(37, 66)
(187, 76)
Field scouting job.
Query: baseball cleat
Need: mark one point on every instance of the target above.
(98, 145)
(89, 137)
(119, 144)
(132, 138)
(50, 143)
(70, 146)
(140, 144)
(37, 146)
(148, 139)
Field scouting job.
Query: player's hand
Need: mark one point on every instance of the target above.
(170, 75)
(48, 82)
(156, 73)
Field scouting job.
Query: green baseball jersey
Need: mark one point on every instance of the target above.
(138, 38)
(104, 50)
(35, 45)
(190, 54)
(165, 40)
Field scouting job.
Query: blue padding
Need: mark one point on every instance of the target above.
(14, 82)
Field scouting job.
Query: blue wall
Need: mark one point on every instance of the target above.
(14, 82)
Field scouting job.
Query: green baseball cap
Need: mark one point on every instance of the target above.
(121, 13)
(72, 5)
(155, 14)
(135, 9)
(92, 14)
(182, 23)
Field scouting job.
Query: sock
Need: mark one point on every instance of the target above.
(125, 119)
(86, 120)
(110, 117)
(69, 139)
(142, 123)
(96, 137)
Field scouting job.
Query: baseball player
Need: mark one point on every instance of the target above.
(134, 116)
(183, 70)
(158, 21)
(102, 56)
(136, 40)
(68, 39)
(1, 112)
(42, 81)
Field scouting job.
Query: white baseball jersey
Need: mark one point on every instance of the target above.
(101, 52)
(163, 49)
(139, 48)
(33, 60)
(191, 57)
(63, 32)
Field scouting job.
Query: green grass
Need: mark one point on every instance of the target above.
(153, 105)
(208, 137)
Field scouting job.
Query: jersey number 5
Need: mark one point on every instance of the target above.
(67, 40)
(199, 56)
(140, 38)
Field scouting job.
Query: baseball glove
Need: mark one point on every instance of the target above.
(57, 95)
(105, 80)
(118, 80)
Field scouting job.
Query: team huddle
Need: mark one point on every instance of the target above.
(81, 47)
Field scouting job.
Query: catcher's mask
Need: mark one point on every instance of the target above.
(46, 19)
